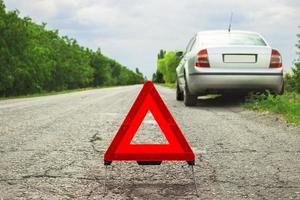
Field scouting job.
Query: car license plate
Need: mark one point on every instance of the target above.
(239, 58)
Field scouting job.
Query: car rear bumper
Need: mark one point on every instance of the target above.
(199, 83)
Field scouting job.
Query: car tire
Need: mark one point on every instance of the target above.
(188, 99)
(179, 94)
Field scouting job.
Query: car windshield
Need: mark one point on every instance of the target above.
(230, 38)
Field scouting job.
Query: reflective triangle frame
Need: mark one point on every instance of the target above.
(121, 148)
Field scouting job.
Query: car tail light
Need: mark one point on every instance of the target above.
(276, 61)
(202, 59)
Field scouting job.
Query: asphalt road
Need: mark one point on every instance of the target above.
(52, 148)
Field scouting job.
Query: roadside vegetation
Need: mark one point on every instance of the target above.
(288, 105)
(166, 68)
(36, 60)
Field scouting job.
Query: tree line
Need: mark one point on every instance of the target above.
(34, 59)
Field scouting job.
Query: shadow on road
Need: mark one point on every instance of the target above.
(221, 101)
(161, 190)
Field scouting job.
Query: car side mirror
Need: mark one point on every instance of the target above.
(179, 54)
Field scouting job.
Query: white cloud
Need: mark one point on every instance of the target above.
(133, 31)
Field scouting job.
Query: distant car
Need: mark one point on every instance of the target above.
(223, 61)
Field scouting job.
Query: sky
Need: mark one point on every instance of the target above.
(133, 31)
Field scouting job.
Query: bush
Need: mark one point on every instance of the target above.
(288, 105)
(166, 65)
(158, 77)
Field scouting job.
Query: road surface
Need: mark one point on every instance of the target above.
(52, 148)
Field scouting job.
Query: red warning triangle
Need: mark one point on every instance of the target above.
(121, 147)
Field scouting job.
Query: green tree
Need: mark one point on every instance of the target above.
(103, 73)
(161, 54)
(158, 77)
(293, 80)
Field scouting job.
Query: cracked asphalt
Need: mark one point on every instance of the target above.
(52, 148)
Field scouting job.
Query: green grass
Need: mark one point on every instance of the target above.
(52, 93)
(288, 105)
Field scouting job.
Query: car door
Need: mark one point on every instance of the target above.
(179, 72)
(183, 62)
(189, 54)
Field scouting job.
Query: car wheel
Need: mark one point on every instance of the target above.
(188, 99)
(179, 94)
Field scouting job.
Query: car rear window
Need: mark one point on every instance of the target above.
(230, 38)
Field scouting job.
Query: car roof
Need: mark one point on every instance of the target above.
(226, 31)
(211, 32)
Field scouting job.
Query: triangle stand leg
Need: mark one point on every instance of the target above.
(105, 180)
(193, 172)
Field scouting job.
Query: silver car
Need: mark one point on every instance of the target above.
(223, 61)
